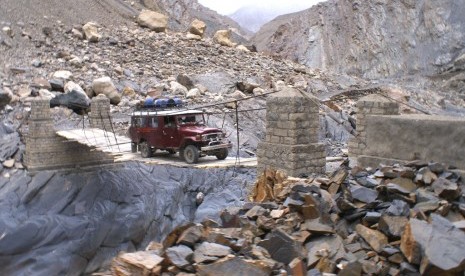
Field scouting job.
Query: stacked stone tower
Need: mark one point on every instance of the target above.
(100, 113)
(366, 106)
(46, 150)
(291, 143)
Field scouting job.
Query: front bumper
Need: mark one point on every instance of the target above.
(216, 147)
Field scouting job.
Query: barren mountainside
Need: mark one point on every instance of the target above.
(374, 38)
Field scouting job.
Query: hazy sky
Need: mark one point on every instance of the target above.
(229, 6)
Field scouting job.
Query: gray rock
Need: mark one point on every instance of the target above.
(153, 20)
(281, 246)
(9, 142)
(57, 85)
(314, 226)
(106, 87)
(363, 194)
(333, 245)
(180, 255)
(5, 98)
(233, 266)
(255, 212)
(91, 32)
(392, 226)
(446, 189)
(185, 80)
(437, 246)
(218, 82)
(210, 252)
(398, 208)
(75, 100)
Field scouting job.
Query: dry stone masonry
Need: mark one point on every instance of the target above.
(366, 106)
(291, 142)
(46, 150)
(100, 113)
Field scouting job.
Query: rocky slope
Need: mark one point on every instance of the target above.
(182, 12)
(372, 39)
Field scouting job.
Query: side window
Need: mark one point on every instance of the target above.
(138, 121)
(169, 122)
(153, 122)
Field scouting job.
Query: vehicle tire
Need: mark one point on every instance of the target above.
(133, 147)
(191, 154)
(170, 151)
(222, 154)
(145, 150)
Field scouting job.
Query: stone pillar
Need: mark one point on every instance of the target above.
(100, 113)
(41, 136)
(291, 143)
(366, 106)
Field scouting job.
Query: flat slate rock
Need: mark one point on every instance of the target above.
(363, 194)
(233, 266)
(282, 247)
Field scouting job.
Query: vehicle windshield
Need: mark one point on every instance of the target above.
(194, 119)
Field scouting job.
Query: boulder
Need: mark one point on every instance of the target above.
(62, 74)
(137, 263)
(193, 37)
(193, 93)
(180, 255)
(9, 163)
(9, 142)
(223, 37)
(106, 87)
(57, 85)
(393, 226)
(76, 100)
(363, 194)
(446, 189)
(185, 80)
(198, 27)
(70, 86)
(282, 247)
(153, 20)
(375, 239)
(234, 266)
(210, 252)
(178, 89)
(242, 48)
(439, 247)
(77, 34)
(5, 98)
(91, 32)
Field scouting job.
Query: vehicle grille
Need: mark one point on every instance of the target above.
(212, 137)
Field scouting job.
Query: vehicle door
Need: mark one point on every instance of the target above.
(153, 132)
(139, 131)
(170, 133)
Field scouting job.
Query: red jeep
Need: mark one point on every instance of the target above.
(176, 131)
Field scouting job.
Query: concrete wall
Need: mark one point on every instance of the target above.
(46, 150)
(415, 137)
(291, 142)
(385, 137)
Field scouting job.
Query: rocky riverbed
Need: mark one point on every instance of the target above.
(74, 222)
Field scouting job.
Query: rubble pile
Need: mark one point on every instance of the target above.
(394, 220)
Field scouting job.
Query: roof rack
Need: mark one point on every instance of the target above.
(151, 104)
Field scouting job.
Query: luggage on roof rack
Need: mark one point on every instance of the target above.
(162, 103)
